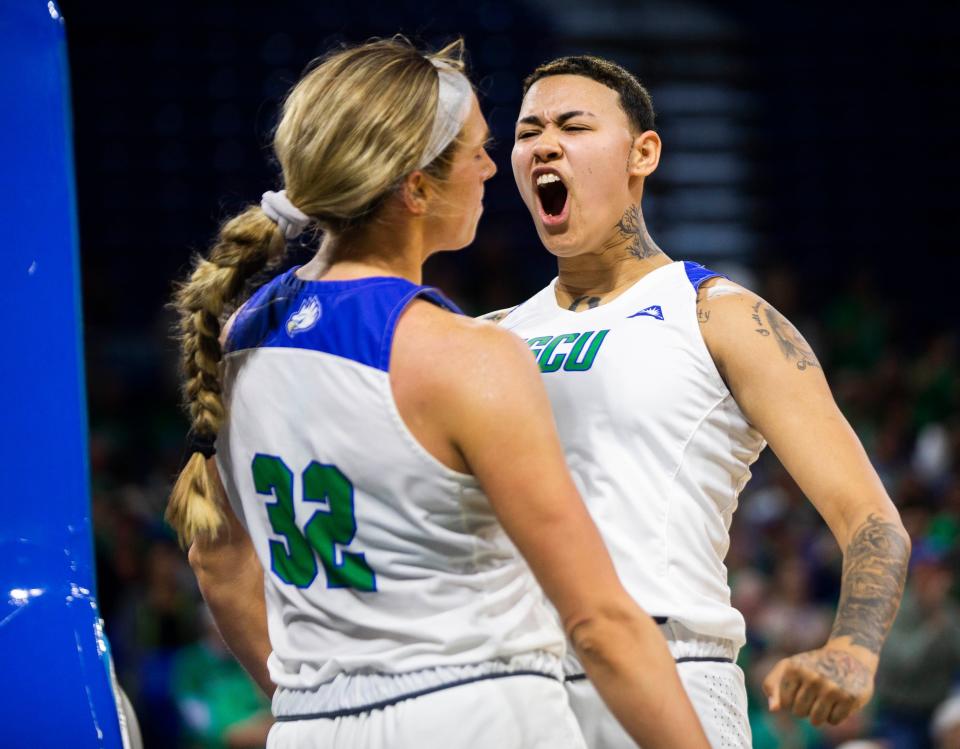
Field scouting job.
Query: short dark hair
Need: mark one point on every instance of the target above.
(634, 98)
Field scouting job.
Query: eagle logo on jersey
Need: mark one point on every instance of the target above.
(305, 317)
(653, 310)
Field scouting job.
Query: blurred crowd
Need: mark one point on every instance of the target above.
(899, 388)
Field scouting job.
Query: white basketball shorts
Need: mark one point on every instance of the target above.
(713, 682)
(512, 712)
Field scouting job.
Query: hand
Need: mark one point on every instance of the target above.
(826, 684)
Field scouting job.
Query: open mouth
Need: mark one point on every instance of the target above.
(552, 194)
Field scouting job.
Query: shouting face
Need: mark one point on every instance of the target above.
(578, 164)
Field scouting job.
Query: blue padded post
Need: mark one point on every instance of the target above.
(57, 690)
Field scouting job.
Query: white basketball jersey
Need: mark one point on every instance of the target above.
(377, 558)
(655, 441)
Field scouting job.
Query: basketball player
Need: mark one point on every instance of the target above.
(666, 381)
(380, 452)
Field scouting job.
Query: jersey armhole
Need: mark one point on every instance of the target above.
(403, 428)
(698, 275)
(421, 292)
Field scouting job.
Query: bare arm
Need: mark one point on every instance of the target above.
(778, 383)
(231, 580)
(500, 420)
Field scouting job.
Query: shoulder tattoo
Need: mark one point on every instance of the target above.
(770, 323)
(712, 292)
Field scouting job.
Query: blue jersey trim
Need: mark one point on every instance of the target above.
(697, 274)
(354, 319)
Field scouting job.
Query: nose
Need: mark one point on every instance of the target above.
(546, 148)
(489, 168)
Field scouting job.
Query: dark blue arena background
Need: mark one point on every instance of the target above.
(809, 152)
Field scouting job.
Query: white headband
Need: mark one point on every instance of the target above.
(291, 220)
(453, 106)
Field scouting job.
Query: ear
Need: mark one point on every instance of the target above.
(414, 193)
(644, 154)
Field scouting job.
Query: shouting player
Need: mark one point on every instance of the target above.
(666, 382)
(368, 494)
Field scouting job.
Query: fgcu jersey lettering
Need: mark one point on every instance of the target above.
(656, 443)
(378, 558)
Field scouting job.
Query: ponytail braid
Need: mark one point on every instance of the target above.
(246, 245)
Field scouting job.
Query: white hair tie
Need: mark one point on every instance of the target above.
(291, 220)
(453, 106)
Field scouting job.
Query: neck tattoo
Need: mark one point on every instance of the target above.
(591, 301)
(632, 228)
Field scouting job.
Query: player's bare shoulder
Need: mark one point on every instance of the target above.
(737, 322)
(452, 352)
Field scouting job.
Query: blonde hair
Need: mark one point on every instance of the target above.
(353, 127)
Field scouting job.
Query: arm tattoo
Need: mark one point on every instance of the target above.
(592, 301)
(788, 338)
(841, 668)
(874, 570)
(712, 292)
(632, 228)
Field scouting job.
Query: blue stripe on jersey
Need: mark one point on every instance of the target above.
(698, 274)
(354, 319)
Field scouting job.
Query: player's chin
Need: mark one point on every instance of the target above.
(559, 244)
(464, 240)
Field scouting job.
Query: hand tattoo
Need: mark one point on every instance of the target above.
(841, 668)
(592, 301)
(631, 226)
(874, 571)
(791, 343)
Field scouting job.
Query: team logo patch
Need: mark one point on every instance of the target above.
(305, 317)
(653, 310)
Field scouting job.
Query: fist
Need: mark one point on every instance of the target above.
(826, 684)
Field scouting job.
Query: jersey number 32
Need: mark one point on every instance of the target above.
(295, 562)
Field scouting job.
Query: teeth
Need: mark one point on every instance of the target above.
(546, 179)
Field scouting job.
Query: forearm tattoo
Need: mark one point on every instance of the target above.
(841, 668)
(874, 571)
(631, 227)
(769, 322)
(591, 302)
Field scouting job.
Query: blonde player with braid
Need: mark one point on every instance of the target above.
(378, 455)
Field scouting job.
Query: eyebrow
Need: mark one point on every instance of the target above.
(559, 119)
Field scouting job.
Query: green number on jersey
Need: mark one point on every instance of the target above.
(296, 561)
(338, 525)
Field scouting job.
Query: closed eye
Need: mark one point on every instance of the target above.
(526, 134)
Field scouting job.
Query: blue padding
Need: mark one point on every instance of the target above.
(353, 319)
(698, 274)
(57, 691)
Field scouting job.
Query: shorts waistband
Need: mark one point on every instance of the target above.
(353, 694)
(684, 644)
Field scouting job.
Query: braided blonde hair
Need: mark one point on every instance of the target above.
(351, 130)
